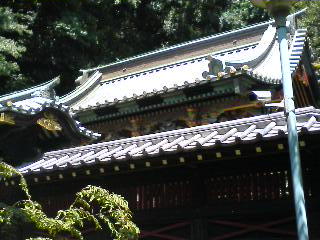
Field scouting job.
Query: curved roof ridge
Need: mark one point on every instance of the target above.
(185, 44)
(264, 46)
(193, 42)
(295, 54)
(223, 52)
(82, 89)
(23, 93)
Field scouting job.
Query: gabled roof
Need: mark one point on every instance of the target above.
(32, 107)
(256, 29)
(244, 131)
(256, 55)
(29, 103)
(46, 88)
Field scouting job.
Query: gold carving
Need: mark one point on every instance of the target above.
(221, 75)
(9, 104)
(245, 68)
(49, 122)
(232, 71)
(6, 118)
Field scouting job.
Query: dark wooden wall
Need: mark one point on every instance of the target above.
(242, 197)
(234, 199)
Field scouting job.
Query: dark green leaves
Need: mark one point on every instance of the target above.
(93, 206)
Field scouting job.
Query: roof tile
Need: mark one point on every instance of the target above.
(245, 130)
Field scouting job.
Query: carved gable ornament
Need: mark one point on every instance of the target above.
(49, 122)
(218, 68)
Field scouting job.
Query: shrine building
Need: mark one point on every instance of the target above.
(194, 137)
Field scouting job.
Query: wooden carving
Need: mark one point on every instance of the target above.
(6, 118)
(49, 123)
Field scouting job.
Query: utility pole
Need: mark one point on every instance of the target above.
(280, 9)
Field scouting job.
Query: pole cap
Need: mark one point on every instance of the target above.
(275, 7)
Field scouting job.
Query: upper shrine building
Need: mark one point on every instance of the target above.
(193, 136)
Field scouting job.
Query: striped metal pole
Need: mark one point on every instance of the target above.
(296, 172)
(280, 9)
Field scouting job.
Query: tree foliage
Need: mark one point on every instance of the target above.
(14, 30)
(65, 36)
(93, 206)
(241, 13)
(311, 21)
(41, 39)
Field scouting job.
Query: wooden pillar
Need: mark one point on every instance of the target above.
(199, 229)
(198, 226)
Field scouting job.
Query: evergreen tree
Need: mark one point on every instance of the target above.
(14, 32)
(41, 39)
(241, 13)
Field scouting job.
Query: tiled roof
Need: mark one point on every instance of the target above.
(263, 59)
(37, 99)
(28, 93)
(296, 49)
(34, 105)
(143, 84)
(192, 43)
(245, 131)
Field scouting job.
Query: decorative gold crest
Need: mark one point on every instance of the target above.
(245, 68)
(232, 71)
(49, 122)
(6, 118)
(9, 103)
(221, 75)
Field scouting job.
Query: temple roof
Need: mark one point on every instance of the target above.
(35, 106)
(44, 89)
(231, 133)
(252, 51)
(30, 104)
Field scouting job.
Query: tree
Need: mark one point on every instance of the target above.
(14, 30)
(177, 21)
(311, 21)
(43, 39)
(93, 206)
(241, 13)
(69, 35)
